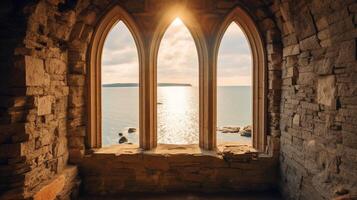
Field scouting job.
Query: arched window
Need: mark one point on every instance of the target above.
(116, 60)
(234, 88)
(257, 73)
(177, 92)
(184, 59)
(120, 88)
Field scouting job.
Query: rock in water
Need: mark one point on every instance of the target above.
(229, 129)
(123, 140)
(246, 134)
(247, 131)
(131, 130)
(248, 128)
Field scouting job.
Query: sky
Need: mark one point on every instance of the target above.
(177, 57)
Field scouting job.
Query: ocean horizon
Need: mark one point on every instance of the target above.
(177, 113)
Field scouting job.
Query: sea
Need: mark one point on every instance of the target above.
(177, 114)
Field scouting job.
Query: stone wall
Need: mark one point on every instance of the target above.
(318, 103)
(122, 169)
(133, 175)
(311, 61)
(34, 99)
(45, 73)
(148, 15)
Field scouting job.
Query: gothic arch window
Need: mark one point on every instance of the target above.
(105, 70)
(178, 87)
(120, 87)
(207, 48)
(258, 72)
(234, 88)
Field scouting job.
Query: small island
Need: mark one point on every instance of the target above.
(137, 85)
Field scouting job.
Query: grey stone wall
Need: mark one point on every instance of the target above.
(318, 102)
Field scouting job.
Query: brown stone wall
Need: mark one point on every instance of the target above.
(148, 15)
(44, 74)
(318, 104)
(34, 98)
(311, 65)
(110, 174)
(125, 169)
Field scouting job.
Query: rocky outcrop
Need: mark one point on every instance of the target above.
(246, 131)
(131, 130)
(229, 129)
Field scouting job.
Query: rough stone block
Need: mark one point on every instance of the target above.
(309, 43)
(324, 67)
(35, 72)
(347, 52)
(326, 90)
(44, 105)
(291, 50)
(51, 190)
(296, 120)
(55, 66)
(76, 80)
(304, 24)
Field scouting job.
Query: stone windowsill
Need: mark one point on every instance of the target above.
(223, 151)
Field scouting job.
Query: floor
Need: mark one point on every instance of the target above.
(194, 196)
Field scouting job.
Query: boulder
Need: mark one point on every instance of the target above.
(247, 131)
(122, 140)
(229, 129)
(131, 130)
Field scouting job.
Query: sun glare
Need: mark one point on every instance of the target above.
(177, 22)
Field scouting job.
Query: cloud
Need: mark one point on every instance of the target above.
(120, 58)
(177, 57)
(234, 62)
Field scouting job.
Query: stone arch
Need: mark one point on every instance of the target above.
(102, 29)
(200, 42)
(249, 27)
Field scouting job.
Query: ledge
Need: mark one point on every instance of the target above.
(127, 168)
(171, 149)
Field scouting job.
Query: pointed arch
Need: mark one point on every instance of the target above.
(234, 78)
(102, 29)
(248, 26)
(200, 41)
(177, 116)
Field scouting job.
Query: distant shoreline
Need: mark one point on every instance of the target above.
(136, 84)
(164, 85)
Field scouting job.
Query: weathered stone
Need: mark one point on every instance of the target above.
(51, 190)
(35, 72)
(291, 50)
(296, 120)
(326, 90)
(347, 52)
(304, 40)
(55, 66)
(44, 105)
(309, 43)
(324, 67)
(76, 80)
(304, 24)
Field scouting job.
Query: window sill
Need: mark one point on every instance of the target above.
(222, 151)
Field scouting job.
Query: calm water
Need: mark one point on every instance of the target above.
(177, 113)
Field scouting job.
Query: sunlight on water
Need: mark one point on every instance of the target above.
(177, 115)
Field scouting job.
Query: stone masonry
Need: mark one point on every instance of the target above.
(318, 153)
(311, 66)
